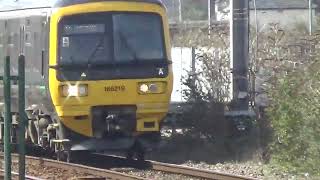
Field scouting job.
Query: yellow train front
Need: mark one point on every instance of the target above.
(110, 76)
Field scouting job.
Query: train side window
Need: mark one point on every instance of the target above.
(10, 40)
(1, 40)
(16, 39)
(27, 38)
(28, 22)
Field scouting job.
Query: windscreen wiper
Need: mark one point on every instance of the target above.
(125, 40)
(66, 66)
(94, 51)
(72, 65)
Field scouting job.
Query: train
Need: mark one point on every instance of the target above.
(98, 73)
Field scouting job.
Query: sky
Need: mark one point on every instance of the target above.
(24, 3)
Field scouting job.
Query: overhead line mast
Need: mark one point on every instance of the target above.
(239, 32)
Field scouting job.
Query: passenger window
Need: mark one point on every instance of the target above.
(10, 39)
(1, 40)
(28, 22)
(27, 38)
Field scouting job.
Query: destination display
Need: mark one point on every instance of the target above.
(83, 29)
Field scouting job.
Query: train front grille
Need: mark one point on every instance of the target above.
(113, 120)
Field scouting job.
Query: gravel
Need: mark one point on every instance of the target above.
(247, 169)
(151, 174)
(53, 173)
(251, 169)
(48, 172)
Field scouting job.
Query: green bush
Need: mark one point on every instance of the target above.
(294, 114)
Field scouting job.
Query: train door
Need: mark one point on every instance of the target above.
(13, 36)
(44, 43)
(35, 55)
(12, 49)
(45, 46)
(2, 39)
(2, 55)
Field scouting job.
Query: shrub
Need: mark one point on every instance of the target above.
(285, 68)
(294, 113)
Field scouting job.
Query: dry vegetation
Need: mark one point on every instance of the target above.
(284, 84)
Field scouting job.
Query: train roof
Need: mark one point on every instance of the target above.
(62, 3)
(10, 5)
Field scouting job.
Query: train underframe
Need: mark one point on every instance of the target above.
(113, 131)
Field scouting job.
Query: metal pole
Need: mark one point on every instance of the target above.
(240, 52)
(193, 65)
(180, 12)
(209, 16)
(8, 119)
(22, 117)
(254, 60)
(231, 93)
(310, 17)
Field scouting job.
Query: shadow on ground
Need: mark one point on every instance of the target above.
(181, 149)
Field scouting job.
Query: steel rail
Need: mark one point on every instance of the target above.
(17, 174)
(81, 168)
(188, 171)
(195, 172)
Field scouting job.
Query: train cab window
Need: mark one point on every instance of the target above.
(85, 42)
(137, 37)
(95, 42)
(110, 38)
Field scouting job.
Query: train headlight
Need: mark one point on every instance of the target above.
(152, 87)
(144, 88)
(74, 90)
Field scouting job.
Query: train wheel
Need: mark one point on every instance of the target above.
(140, 155)
(136, 151)
(64, 156)
(32, 132)
(60, 156)
(1, 147)
(130, 154)
(68, 158)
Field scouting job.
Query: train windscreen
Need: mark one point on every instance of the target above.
(111, 38)
(98, 41)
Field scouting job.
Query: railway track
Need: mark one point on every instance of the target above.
(14, 174)
(169, 168)
(97, 165)
(199, 173)
(97, 172)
